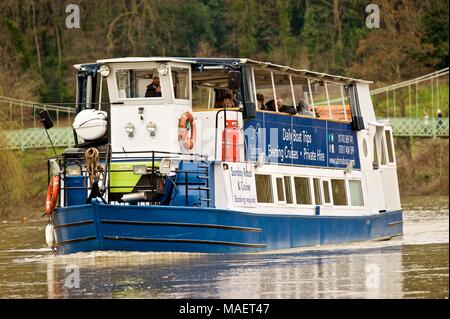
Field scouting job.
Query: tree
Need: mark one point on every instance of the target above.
(396, 50)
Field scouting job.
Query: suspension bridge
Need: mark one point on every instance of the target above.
(416, 108)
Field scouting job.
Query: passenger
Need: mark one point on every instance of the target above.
(229, 102)
(270, 106)
(225, 101)
(219, 97)
(304, 108)
(286, 108)
(260, 101)
(154, 88)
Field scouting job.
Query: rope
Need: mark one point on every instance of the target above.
(93, 168)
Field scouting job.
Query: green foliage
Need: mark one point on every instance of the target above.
(322, 35)
(434, 32)
(316, 34)
(183, 35)
(240, 20)
(19, 42)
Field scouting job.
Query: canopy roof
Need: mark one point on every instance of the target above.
(237, 61)
(144, 59)
(306, 73)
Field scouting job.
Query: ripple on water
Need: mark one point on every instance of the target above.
(413, 265)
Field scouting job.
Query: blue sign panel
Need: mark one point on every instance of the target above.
(300, 141)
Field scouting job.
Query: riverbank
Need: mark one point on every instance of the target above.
(423, 169)
(24, 183)
(422, 166)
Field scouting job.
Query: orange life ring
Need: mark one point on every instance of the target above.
(52, 195)
(188, 142)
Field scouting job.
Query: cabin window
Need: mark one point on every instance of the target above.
(346, 103)
(103, 95)
(264, 188)
(338, 109)
(224, 98)
(302, 190)
(356, 193)
(138, 83)
(264, 88)
(248, 89)
(202, 97)
(317, 193)
(302, 96)
(339, 193)
(319, 98)
(283, 91)
(389, 146)
(181, 83)
(383, 152)
(364, 147)
(280, 189)
(210, 90)
(375, 154)
(288, 189)
(300, 89)
(326, 192)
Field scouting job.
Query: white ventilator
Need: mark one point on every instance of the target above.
(90, 124)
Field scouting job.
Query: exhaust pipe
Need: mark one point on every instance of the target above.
(136, 197)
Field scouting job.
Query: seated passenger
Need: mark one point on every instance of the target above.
(286, 108)
(304, 108)
(270, 106)
(260, 101)
(229, 102)
(154, 88)
(226, 101)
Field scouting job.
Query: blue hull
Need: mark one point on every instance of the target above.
(99, 226)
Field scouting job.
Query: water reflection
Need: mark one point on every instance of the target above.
(375, 273)
(415, 265)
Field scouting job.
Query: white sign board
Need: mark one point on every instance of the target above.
(243, 187)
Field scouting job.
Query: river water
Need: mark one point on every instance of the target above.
(412, 266)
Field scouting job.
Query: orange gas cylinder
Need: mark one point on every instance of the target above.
(230, 149)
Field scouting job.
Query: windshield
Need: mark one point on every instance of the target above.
(180, 80)
(138, 83)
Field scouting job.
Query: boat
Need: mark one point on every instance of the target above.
(220, 155)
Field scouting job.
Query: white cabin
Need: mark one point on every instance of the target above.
(277, 183)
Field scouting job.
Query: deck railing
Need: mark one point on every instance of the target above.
(105, 159)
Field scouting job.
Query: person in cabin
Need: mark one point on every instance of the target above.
(286, 108)
(260, 101)
(270, 106)
(304, 108)
(154, 88)
(219, 97)
(224, 99)
(229, 102)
